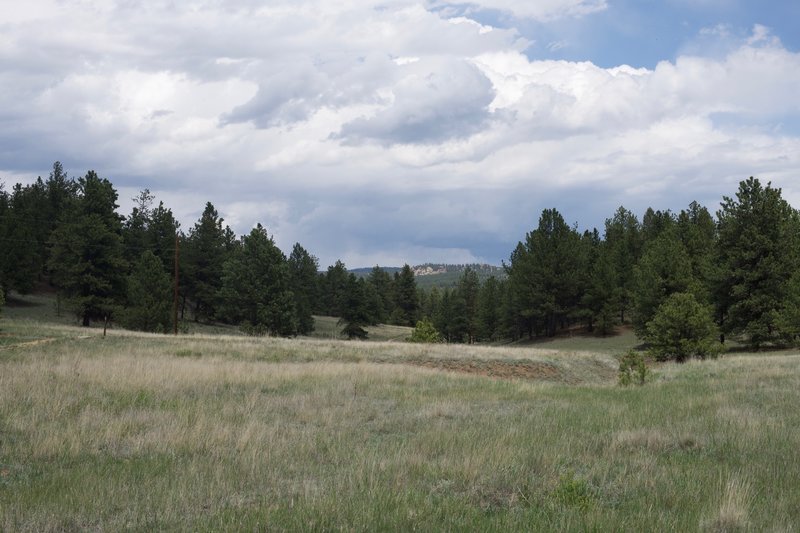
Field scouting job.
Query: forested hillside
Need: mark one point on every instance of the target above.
(732, 274)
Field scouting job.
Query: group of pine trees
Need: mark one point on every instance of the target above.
(736, 275)
(66, 234)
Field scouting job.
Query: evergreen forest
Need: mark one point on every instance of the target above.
(686, 282)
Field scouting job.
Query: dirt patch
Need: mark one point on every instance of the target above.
(531, 370)
(39, 341)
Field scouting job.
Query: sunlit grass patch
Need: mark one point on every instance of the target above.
(202, 432)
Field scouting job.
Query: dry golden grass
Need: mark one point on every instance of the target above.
(149, 432)
(734, 507)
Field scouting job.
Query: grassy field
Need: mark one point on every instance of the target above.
(210, 432)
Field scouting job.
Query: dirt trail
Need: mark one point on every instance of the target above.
(500, 369)
(41, 341)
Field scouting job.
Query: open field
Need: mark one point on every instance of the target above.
(147, 432)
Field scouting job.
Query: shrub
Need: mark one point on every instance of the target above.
(682, 328)
(253, 330)
(632, 369)
(573, 491)
(425, 332)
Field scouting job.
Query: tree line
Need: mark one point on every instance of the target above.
(65, 234)
(733, 275)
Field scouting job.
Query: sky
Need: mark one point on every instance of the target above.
(400, 131)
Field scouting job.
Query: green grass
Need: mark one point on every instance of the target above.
(622, 340)
(209, 433)
(327, 327)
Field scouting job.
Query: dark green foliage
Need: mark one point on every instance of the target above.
(655, 223)
(425, 332)
(135, 228)
(28, 216)
(87, 262)
(624, 242)
(489, 307)
(787, 317)
(468, 290)
(546, 275)
(303, 283)
(698, 231)
(372, 300)
(599, 300)
(354, 315)
(61, 192)
(450, 318)
(150, 294)
(26, 234)
(333, 290)
(430, 300)
(681, 329)
(69, 234)
(405, 298)
(664, 269)
(383, 304)
(632, 369)
(758, 249)
(255, 287)
(207, 248)
(161, 232)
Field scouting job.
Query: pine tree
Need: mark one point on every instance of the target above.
(624, 241)
(25, 236)
(303, 269)
(431, 300)
(382, 281)
(758, 249)
(654, 223)
(206, 249)
(698, 232)
(87, 260)
(598, 301)
(546, 273)
(425, 332)
(682, 328)
(136, 225)
(489, 305)
(255, 287)
(405, 298)
(61, 192)
(161, 234)
(468, 290)
(4, 222)
(664, 269)
(787, 318)
(333, 290)
(354, 315)
(149, 302)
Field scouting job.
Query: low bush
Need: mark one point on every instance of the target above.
(632, 369)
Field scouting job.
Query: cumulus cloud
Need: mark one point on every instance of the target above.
(399, 131)
(433, 101)
(540, 10)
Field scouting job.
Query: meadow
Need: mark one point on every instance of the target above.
(209, 432)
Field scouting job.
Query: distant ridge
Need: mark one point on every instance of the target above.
(440, 275)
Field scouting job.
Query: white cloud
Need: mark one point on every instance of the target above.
(541, 10)
(399, 132)
(432, 101)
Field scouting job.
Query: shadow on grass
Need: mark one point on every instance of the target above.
(14, 300)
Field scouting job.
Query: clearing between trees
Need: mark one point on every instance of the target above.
(208, 432)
